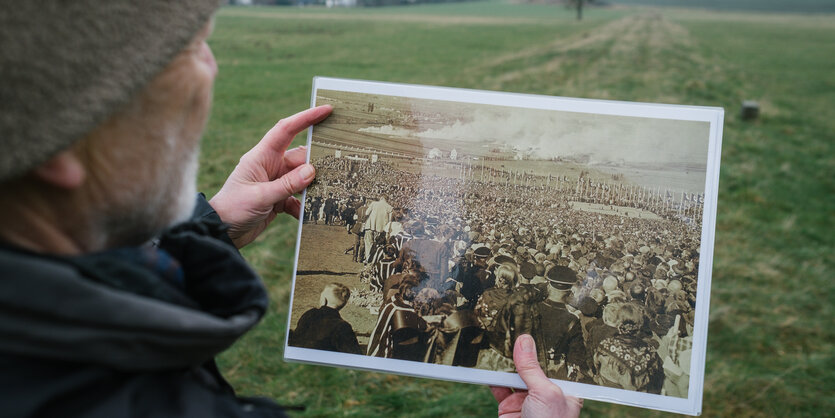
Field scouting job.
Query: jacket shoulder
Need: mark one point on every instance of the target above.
(33, 387)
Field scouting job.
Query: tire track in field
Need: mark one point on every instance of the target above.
(644, 56)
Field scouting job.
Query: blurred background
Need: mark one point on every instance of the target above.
(770, 342)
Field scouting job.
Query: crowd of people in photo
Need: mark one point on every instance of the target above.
(462, 267)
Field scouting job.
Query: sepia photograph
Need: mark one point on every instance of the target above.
(444, 223)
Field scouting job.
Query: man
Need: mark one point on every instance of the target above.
(562, 334)
(118, 288)
(474, 276)
(522, 308)
(348, 213)
(358, 229)
(330, 209)
(528, 271)
(315, 208)
(105, 309)
(378, 215)
(323, 328)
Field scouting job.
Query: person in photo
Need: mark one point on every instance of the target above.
(323, 328)
(627, 360)
(378, 215)
(563, 346)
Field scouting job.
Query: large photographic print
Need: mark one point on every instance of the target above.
(444, 223)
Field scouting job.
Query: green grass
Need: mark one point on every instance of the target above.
(791, 6)
(770, 344)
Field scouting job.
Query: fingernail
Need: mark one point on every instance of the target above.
(527, 343)
(306, 171)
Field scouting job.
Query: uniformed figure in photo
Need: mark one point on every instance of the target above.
(561, 332)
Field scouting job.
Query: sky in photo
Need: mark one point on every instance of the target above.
(603, 138)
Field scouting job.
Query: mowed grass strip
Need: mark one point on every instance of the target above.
(770, 344)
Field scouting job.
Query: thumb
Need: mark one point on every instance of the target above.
(289, 184)
(527, 364)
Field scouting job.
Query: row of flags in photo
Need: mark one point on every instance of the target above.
(582, 188)
(586, 188)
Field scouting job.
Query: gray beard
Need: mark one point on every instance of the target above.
(146, 212)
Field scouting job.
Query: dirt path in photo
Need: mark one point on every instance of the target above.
(322, 260)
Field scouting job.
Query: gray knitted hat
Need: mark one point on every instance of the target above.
(66, 66)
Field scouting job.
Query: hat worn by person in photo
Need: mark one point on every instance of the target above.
(68, 66)
(527, 270)
(482, 252)
(506, 261)
(561, 278)
(417, 228)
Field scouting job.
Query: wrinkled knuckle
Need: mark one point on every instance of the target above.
(282, 126)
(286, 186)
(244, 159)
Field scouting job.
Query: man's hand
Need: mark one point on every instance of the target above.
(266, 178)
(543, 398)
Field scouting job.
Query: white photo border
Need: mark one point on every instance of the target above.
(691, 405)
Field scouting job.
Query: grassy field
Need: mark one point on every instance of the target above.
(789, 6)
(770, 345)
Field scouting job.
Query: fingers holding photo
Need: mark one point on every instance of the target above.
(279, 137)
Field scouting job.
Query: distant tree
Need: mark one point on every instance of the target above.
(578, 4)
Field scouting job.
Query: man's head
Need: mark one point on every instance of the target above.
(481, 255)
(335, 295)
(129, 172)
(674, 286)
(610, 283)
(416, 228)
(68, 66)
(598, 295)
(560, 280)
(527, 270)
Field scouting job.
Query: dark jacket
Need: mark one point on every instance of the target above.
(128, 332)
(324, 329)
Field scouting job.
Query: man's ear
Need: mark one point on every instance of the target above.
(64, 170)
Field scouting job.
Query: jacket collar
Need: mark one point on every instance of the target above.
(114, 309)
